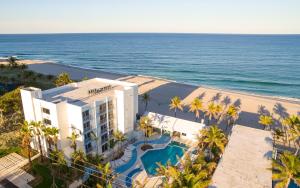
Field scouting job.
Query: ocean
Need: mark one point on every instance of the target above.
(259, 64)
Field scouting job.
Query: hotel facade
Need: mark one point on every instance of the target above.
(93, 109)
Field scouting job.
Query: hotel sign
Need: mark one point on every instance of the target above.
(99, 90)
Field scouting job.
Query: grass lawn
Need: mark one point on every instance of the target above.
(43, 176)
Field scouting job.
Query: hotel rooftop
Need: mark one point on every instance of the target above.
(246, 161)
(85, 92)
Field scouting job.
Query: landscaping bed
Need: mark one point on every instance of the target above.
(146, 147)
(118, 156)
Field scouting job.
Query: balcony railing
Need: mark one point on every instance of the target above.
(86, 129)
(89, 149)
(104, 139)
(86, 118)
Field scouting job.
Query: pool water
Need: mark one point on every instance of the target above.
(171, 152)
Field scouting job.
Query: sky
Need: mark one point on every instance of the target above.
(170, 16)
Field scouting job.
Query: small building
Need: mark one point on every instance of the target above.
(179, 127)
(247, 160)
(93, 109)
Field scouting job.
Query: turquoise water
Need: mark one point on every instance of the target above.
(293, 185)
(169, 153)
(128, 179)
(261, 64)
(129, 164)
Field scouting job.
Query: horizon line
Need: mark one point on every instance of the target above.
(213, 33)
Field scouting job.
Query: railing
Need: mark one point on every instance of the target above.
(86, 118)
(86, 129)
(104, 140)
(89, 149)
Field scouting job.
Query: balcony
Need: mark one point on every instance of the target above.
(87, 129)
(89, 149)
(86, 118)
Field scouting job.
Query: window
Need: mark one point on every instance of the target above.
(87, 136)
(110, 115)
(85, 115)
(46, 121)
(104, 147)
(183, 134)
(86, 126)
(110, 105)
(111, 124)
(104, 138)
(103, 119)
(103, 128)
(88, 147)
(46, 111)
(102, 108)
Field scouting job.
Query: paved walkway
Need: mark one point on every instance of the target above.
(10, 169)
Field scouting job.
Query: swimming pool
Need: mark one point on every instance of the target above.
(151, 157)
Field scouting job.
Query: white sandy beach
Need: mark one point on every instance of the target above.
(162, 90)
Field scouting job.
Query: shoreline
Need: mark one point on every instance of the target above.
(280, 98)
(162, 90)
(271, 97)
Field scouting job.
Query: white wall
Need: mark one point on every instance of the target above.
(127, 106)
(171, 124)
(27, 102)
(74, 114)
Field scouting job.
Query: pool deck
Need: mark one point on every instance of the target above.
(137, 170)
(123, 176)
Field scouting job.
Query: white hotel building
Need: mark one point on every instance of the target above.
(97, 106)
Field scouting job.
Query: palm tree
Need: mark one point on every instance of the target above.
(73, 139)
(51, 134)
(294, 135)
(54, 135)
(120, 138)
(63, 79)
(78, 157)
(218, 110)
(37, 131)
(285, 169)
(95, 139)
(213, 139)
(139, 184)
(278, 134)
(176, 177)
(196, 106)
(291, 126)
(146, 127)
(146, 99)
(266, 121)
(106, 174)
(26, 139)
(232, 115)
(12, 61)
(176, 104)
(211, 112)
(47, 134)
(58, 159)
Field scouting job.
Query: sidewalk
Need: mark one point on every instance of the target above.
(10, 169)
